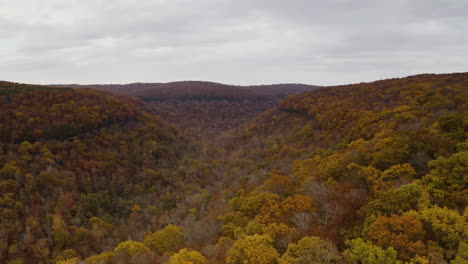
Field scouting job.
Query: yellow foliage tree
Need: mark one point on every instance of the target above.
(131, 248)
(364, 252)
(282, 212)
(185, 256)
(448, 227)
(167, 239)
(311, 250)
(103, 258)
(256, 249)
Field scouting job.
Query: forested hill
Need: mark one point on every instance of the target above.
(38, 112)
(73, 164)
(379, 169)
(198, 90)
(363, 173)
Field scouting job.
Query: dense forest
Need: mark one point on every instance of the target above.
(364, 173)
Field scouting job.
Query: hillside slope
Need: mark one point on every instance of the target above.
(73, 162)
(366, 158)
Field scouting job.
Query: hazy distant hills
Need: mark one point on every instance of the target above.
(189, 90)
(282, 90)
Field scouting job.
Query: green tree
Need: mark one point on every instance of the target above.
(392, 177)
(363, 175)
(391, 151)
(399, 173)
(397, 201)
(452, 124)
(364, 252)
(61, 235)
(448, 180)
(448, 227)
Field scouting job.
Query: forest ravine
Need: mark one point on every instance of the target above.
(363, 173)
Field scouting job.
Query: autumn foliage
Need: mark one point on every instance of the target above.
(362, 173)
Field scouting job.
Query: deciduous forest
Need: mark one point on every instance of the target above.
(368, 173)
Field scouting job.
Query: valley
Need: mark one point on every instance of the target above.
(198, 172)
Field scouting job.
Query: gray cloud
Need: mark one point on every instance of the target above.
(230, 41)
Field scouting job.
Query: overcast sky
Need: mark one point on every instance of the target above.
(321, 42)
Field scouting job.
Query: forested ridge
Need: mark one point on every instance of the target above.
(363, 173)
(199, 90)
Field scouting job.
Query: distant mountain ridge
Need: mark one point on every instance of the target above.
(199, 90)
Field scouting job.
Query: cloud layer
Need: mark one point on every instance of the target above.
(230, 41)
